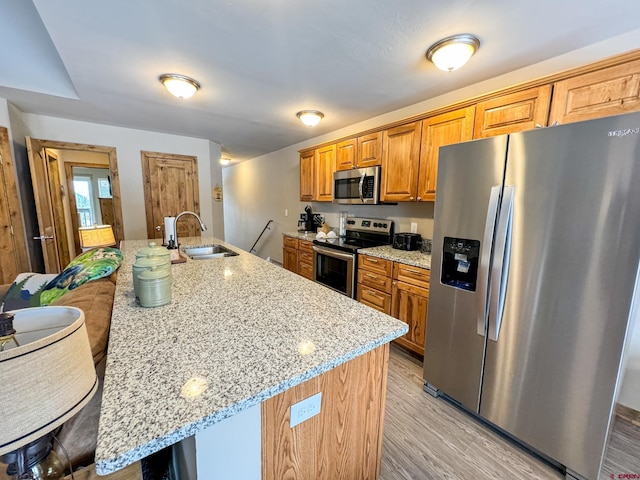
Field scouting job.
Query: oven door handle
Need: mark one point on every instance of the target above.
(360, 185)
(329, 252)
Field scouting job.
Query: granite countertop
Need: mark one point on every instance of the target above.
(309, 236)
(238, 331)
(414, 257)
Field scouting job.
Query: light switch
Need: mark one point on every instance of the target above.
(305, 409)
(414, 227)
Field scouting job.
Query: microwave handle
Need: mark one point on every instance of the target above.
(360, 185)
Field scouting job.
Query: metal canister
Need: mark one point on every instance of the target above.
(154, 287)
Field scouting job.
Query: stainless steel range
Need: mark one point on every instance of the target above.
(335, 260)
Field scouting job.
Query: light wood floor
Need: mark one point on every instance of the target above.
(427, 438)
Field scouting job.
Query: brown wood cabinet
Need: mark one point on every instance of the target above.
(305, 259)
(445, 129)
(307, 176)
(297, 256)
(399, 290)
(400, 163)
(610, 91)
(369, 150)
(513, 112)
(325, 165)
(290, 253)
(408, 152)
(346, 154)
(374, 282)
(410, 303)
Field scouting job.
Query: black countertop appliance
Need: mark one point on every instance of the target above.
(407, 241)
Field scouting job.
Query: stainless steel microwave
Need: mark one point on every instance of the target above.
(360, 186)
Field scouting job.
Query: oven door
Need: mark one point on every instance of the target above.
(334, 269)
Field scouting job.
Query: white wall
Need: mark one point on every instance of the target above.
(128, 143)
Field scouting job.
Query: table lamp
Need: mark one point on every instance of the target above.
(47, 377)
(96, 236)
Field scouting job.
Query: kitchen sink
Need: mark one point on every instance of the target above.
(205, 252)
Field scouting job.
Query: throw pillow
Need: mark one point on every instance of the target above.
(90, 265)
(25, 290)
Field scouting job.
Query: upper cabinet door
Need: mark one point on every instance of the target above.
(514, 112)
(325, 166)
(307, 176)
(400, 159)
(346, 154)
(370, 150)
(445, 129)
(610, 91)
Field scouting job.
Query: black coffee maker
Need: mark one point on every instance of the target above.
(306, 220)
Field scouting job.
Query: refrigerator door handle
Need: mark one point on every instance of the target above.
(500, 267)
(485, 259)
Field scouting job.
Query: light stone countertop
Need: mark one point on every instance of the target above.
(309, 236)
(387, 252)
(239, 330)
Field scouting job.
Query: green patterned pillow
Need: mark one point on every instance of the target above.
(25, 290)
(91, 265)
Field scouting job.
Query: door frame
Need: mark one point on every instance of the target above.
(43, 201)
(16, 222)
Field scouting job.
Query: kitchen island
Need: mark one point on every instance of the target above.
(244, 339)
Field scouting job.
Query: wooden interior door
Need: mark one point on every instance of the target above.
(13, 249)
(170, 187)
(44, 207)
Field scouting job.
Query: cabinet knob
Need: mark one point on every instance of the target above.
(410, 198)
(419, 198)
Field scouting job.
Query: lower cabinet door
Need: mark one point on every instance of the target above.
(290, 259)
(410, 305)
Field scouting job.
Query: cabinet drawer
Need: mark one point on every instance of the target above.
(374, 298)
(290, 241)
(374, 280)
(376, 265)
(410, 274)
(306, 257)
(305, 269)
(305, 246)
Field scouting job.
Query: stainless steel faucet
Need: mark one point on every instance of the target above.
(175, 224)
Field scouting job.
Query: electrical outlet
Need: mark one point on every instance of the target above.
(414, 227)
(305, 409)
(286, 212)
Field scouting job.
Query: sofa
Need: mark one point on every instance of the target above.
(95, 298)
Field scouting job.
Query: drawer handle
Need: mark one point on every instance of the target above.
(413, 271)
(373, 294)
(371, 260)
(371, 275)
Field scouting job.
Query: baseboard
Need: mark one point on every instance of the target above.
(628, 414)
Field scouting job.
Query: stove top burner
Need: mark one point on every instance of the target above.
(361, 233)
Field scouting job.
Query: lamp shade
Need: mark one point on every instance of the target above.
(48, 378)
(96, 236)
(453, 52)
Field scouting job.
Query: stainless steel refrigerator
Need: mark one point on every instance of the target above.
(536, 248)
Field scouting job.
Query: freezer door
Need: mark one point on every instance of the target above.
(550, 377)
(468, 192)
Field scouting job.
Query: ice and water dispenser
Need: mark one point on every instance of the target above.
(460, 258)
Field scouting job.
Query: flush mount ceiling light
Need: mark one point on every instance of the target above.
(310, 117)
(453, 52)
(225, 161)
(179, 86)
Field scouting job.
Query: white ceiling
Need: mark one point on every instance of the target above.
(261, 61)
